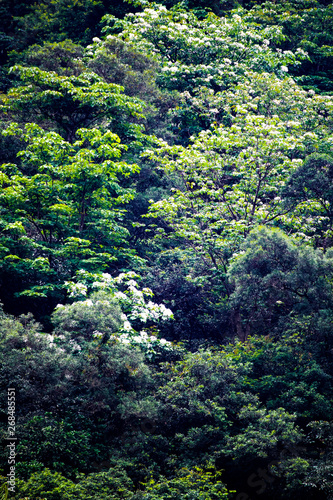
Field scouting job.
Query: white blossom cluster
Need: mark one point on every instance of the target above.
(75, 289)
(148, 343)
(210, 48)
(133, 303)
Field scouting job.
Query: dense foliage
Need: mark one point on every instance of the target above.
(166, 249)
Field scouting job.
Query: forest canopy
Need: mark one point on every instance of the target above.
(166, 250)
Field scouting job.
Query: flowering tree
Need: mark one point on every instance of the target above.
(112, 313)
(186, 46)
(201, 58)
(230, 181)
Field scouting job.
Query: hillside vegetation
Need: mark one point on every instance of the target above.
(166, 249)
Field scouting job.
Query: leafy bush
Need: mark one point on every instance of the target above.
(195, 484)
(100, 313)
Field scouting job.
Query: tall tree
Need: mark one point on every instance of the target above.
(61, 209)
(67, 103)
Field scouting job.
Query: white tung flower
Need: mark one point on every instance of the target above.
(97, 334)
(127, 326)
(76, 289)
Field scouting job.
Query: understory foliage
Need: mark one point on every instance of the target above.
(166, 262)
